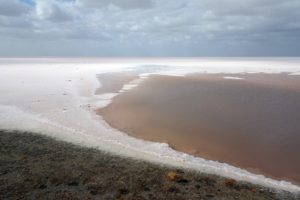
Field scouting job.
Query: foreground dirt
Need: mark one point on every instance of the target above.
(37, 167)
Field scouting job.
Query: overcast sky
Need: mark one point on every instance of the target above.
(149, 28)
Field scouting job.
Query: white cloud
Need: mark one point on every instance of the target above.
(52, 10)
(162, 26)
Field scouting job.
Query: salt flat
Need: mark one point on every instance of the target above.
(57, 97)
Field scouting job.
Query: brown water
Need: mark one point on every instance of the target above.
(252, 123)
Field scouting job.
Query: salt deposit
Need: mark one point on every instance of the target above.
(56, 97)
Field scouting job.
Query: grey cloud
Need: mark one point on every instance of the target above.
(9, 22)
(127, 4)
(52, 10)
(13, 8)
(160, 27)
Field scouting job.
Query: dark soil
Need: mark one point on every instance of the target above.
(36, 167)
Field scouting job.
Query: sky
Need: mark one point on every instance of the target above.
(133, 28)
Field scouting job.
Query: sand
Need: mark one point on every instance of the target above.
(250, 122)
(37, 167)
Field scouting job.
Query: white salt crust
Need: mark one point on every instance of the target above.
(56, 97)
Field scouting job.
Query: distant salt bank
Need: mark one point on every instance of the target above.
(57, 97)
(233, 78)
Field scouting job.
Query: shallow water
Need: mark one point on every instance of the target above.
(250, 121)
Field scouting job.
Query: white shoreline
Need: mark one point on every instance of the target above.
(58, 100)
(233, 78)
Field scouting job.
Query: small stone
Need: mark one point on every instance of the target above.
(230, 182)
(182, 181)
(174, 176)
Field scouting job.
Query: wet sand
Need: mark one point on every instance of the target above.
(251, 123)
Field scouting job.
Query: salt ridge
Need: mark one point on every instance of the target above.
(233, 78)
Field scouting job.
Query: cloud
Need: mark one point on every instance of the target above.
(127, 4)
(52, 10)
(156, 27)
(13, 8)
